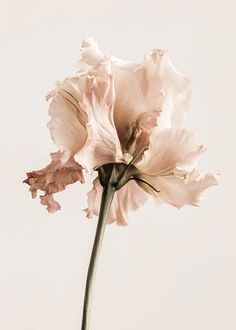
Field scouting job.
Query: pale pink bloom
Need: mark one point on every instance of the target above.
(110, 112)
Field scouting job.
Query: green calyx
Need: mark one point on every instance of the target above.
(116, 175)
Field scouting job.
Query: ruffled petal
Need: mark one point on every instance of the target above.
(68, 120)
(177, 90)
(129, 198)
(139, 89)
(54, 178)
(153, 85)
(169, 168)
(90, 53)
(82, 124)
(102, 145)
(170, 150)
(49, 201)
(184, 191)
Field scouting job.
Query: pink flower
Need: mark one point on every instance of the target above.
(113, 111)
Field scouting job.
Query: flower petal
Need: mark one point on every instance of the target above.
(68, 120)
(129, 198)
(102, 145)
(152, 85)
(138, 90)
(177, 91)
(81, 122)
(49, 201)
(54, 178)
(90, 53)
(170, 150)
(179, 192)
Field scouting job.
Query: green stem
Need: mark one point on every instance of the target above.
(107, 196)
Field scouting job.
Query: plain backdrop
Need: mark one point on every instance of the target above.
(169, 269)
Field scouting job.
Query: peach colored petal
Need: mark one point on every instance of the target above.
(81, 122)
(152, 85)
(177, 90)
(169, 164)
(171, 149)
(90, 53)
(102, 145)
(179, 192)
(68, 120)
(54, 178)
(139, 89)
(129, 198)
(49, 201)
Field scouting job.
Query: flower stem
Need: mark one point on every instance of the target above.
(107, 196)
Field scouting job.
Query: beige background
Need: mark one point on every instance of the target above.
(169, 269)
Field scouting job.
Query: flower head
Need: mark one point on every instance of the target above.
(116, 112)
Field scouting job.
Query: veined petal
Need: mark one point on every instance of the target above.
(54, 178)
(68, 120)
(179, 191)
(82, 124)
(102, 145)
(153, 85)
(139, 89)
(177, 89)
(171, 149)
(129, 198)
